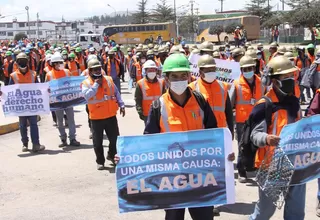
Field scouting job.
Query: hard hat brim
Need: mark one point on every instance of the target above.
(284, 71)
(206, 49)
(247, 65)
(95, 66)
(208, 65)
(179, 69)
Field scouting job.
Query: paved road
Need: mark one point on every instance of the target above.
(64, 183)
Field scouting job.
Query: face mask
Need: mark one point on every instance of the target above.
(64, 57)
(143, 60)
(292, 62)
(96, 76)
(259, 57)
(210, 77)
(129, 54)
(151, 75)
(22, 64)
(287, 85)
(248, 75)
(228, 54)
(61, 67)
(179, 87)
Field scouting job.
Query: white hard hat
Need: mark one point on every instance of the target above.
(4, 48)
(56, 57)
(149, 64)
(91, 49)
(91, 56)
(48, 57)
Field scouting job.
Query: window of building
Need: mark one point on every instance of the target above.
(3, 33)
(21, 24)
(9, 25)
(81, 23)
(40, 32)
(63, 28)
(2, 25)
(39, 24)
(10, 34)
(32, 32)
(97, 26)
(31, 24)
(82, 30)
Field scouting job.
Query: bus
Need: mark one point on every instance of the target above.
(250, 23)
(140, 33)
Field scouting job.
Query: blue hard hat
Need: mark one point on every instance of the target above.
(183, 43)
(27, 51)
(113, 44)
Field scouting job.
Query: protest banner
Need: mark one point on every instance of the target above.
(25, 99)
(227, 71)
(301, 143)
(175, 170)
(66, 92)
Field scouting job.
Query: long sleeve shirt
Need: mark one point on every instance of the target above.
(90, 92)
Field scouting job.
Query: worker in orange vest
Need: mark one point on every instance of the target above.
(58, 71)
(104, 101)
(261, 64)
(72, 65)
(86, 71)
(236, 36)
(273, 50)
(247, 90)
(237, 54)
(80, 59)
(311, 52)
(285, 110)
(31, 61)
(260, 48)
(181, 109)
(291, 57)
(137, 67)
(215, 91)
(24, 75)
(7, 62)
(222, 52)
(149, 88)
(114, 68)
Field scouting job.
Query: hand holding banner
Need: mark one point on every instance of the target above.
(175, 170)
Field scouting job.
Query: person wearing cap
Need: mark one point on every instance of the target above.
(259, 63)
(80, 59)
(24, 75)
(186, 49)
(57, 72)
(31, 60)
(247, 45)
(86, 71)
(314, 73)
(64, 56)
(216, 55)
(222, 53)
(247, 90)
(280, 76)
(44, 66)
(273, 50)
(291, 57)
(72, 65)
(178, 101)
(260, 48)
(136, 70)
(162, 54)
(303, 63)
(6, 63)
(114, 68)
(206, 48)
(236, 36)
(311, 52)
(216, 92)
(127, 60)
(104, 101)
(237, 54)
(148, 89)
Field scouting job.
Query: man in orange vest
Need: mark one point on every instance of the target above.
(273, 50)
(285, 110)
(214, 91)
(104, 101)
(149, 89)
(236, 54)
(236, 36)
(58, 71)
(261, 64)
(24, 75)
(181, 109)
(32, 61)
(114, 68)
(7, 62)
(246, 92)
(80, 59)
(72, 65)
(137, 67)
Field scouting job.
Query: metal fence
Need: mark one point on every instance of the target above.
(292, 35)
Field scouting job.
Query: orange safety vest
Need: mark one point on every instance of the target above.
(298, 62)
(19, 78)
(296, 86)
(216, 93)
(318, 91)
(312, 58)
(138, 71)
(117, 64)
(47, 69)
(262, 65)
(150, 92)
(104, 104)
(86, 72)
(236, 34)
(245, 100)
(175, 118)
(57, 74)
(15, 67)
(81, 63)
(279, 120)
(73, 68)
(6, 67)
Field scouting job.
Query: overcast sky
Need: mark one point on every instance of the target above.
(79, 9)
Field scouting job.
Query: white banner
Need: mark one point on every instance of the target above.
(227, 71)
(25, 99)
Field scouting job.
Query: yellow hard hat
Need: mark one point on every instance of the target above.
(280, 65)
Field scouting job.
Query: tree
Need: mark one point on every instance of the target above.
(259, 8)
(216, 30)
(162, 12)
(275, 20)
(231, 27)
(299, 4)
(20, 36)
(141, 16)
(306, 17)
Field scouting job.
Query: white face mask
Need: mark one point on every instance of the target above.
(210, 77)
(292, 62)
(179, 87)
(143, 60)
(61, 67)
(151, 75)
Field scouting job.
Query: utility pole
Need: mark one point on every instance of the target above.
(192, 17)
(27, 8)
(38, 25)
(127, 22)
(197, 20)
(282, 5)
(175, 15)
(268, 8)
(221, 8)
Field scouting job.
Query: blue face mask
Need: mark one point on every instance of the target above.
(259, 56)
(248, 75)
(228, 54)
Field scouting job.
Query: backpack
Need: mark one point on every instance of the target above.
(247, 148)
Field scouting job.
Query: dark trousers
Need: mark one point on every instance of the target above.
(201, 213)
(34, 130)
(110, 126)
(89, 122)
(237, 42)
(6, 81)
(241, 169)
(54, 117)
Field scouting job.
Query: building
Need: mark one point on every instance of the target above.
(48, 30)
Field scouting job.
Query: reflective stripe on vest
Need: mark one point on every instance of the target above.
(105, 97)
(164, 115)
(144, 92)
(16, 80)
(215, 108)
